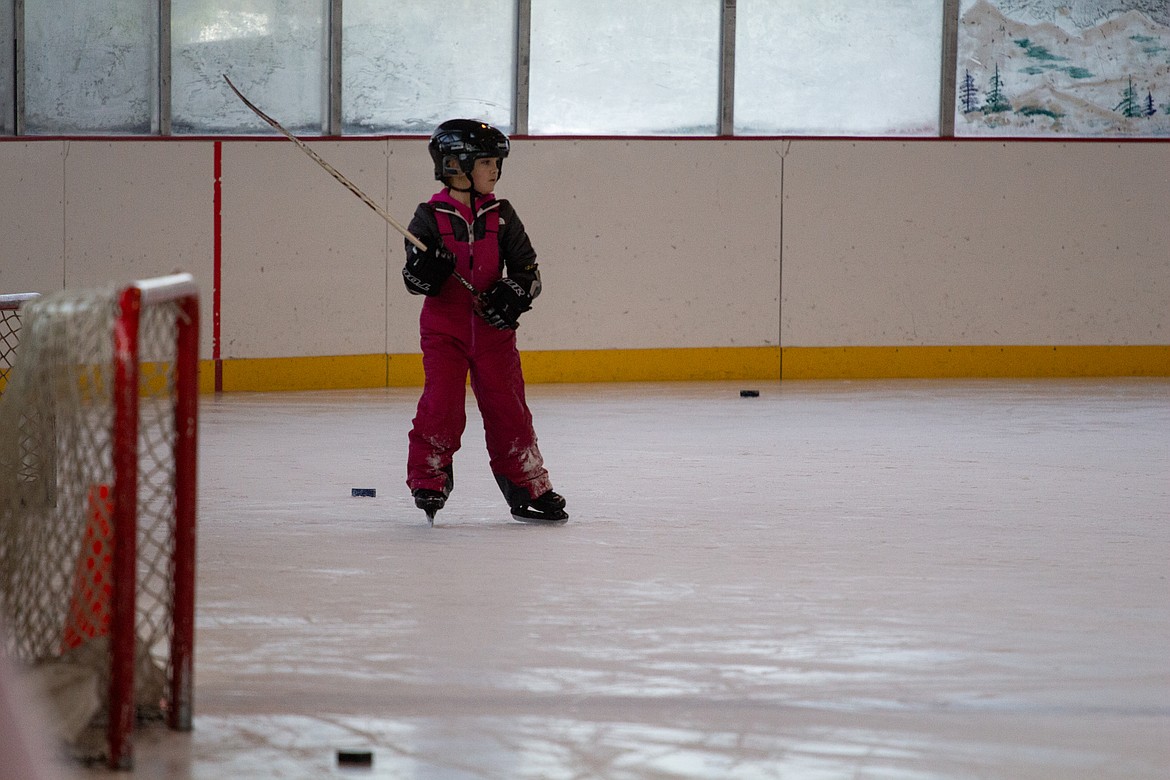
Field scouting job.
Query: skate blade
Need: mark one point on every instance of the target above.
(560, 518)
(431, 518)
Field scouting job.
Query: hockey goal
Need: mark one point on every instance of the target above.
(98, 407)
(10, 331)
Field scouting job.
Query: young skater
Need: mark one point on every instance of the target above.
(469, 232)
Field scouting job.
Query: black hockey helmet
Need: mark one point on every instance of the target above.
(458, 143)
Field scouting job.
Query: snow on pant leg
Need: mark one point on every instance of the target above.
(441, 416)
(498, 384)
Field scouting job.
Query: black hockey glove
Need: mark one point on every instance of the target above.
(425, 272)
(503, 303)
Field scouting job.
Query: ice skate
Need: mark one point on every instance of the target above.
(548, 508)
(429, 501)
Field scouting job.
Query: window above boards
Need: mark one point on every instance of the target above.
(903, 68)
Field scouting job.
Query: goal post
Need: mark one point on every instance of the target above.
(97, 569)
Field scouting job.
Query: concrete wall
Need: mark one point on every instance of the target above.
(645, 244)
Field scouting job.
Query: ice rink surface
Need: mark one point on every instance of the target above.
(888, 579)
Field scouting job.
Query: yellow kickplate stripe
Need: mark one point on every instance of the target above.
(652, 365)
(610, 365)
(341, 372)
(708, 364)
(978, 362)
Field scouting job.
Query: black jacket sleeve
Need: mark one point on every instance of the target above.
(516, 251)
(426, 229)
(423, 225)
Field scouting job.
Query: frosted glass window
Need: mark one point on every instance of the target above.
(409, 65)
(847, 67)
(275, 51)
(7, 98)
(618, 67)
(90, 67)
(1048, 68)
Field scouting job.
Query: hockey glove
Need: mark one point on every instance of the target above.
(503, 303)
(425, 271)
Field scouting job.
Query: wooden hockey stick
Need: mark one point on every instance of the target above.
(349, 185)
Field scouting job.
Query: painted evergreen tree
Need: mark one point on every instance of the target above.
(1130, 105)
(996, 101)
(1150, 110)
(969, 93)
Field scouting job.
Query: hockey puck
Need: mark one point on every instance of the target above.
(355, 757)
(364, 492)
(749, 393)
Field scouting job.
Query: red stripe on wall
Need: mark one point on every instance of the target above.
(217, 276)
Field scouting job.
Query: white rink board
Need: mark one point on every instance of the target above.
(667, 244)
(304, 270)
(137, 211)
(644, 243)
(934, 243)
(32, 186)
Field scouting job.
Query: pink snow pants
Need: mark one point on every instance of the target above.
(455, 342)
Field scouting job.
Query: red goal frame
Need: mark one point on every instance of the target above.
(181, 290)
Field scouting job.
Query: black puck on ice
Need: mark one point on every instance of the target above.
(364, 492)
(749, 393)
(355, 757)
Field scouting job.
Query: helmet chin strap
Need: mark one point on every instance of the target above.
(472, 194)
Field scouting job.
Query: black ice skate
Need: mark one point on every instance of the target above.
(429, 501)
(548, 508)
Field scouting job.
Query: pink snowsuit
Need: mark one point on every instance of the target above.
(455, 340)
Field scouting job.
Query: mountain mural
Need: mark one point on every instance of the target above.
(1075, 15)
(1027, 67)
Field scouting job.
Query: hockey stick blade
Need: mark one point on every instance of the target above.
(341, 178)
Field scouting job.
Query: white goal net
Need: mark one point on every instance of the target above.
(97, 505)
